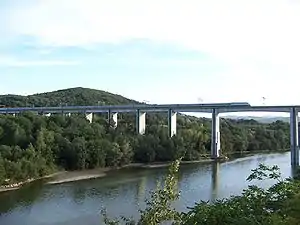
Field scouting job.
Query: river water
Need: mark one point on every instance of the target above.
(123, 192)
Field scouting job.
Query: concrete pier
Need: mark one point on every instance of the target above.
(294, 137)
(215, 134)
(89, 117)
(140, 122)
(172, 122)
(113, 119)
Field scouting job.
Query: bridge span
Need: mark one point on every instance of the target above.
(215, 109)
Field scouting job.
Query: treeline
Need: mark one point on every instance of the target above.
(32, 146)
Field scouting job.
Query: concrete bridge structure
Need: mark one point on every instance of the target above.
(141, 109)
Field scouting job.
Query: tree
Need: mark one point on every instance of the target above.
(114, 155)
(44, 144)
(78, 146)
(96, 154)
(2, 170)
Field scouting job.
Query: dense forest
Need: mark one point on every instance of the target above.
(32, 146)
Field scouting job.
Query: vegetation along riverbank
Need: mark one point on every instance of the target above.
(34, 146)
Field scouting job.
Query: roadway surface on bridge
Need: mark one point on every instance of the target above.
(204, 108)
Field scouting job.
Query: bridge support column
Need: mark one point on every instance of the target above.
(215, 134)
(294, 137)
(113, 119)
(140, 122)
(89, 117)
(172, 122)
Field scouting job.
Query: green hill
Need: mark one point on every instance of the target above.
(71, 96)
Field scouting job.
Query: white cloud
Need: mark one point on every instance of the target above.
(235, 31)
(226, 28)
(258, 39)
(8, 61)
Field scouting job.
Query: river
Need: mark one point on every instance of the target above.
(123, 192)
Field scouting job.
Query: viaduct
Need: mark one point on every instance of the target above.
(172, 109)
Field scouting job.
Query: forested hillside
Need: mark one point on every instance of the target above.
(32, 145)
(72, 96)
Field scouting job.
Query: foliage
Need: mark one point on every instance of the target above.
(159, 207)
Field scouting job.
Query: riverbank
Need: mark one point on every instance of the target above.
(249, 153)
(71, 176)
(16, 186)
(166, 164)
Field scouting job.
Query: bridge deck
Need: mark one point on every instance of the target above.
(204, 108)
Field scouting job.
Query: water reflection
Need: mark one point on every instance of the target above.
(141, 190)
(215, 181)
(24, 197)
(123, 192)
(294, 171)
(79, 194)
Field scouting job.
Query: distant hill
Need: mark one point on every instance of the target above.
(85, 96)
(259, 119)
(71, 96)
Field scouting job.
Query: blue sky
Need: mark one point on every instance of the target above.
(161, 51)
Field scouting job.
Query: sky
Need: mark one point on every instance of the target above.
(159, 51)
